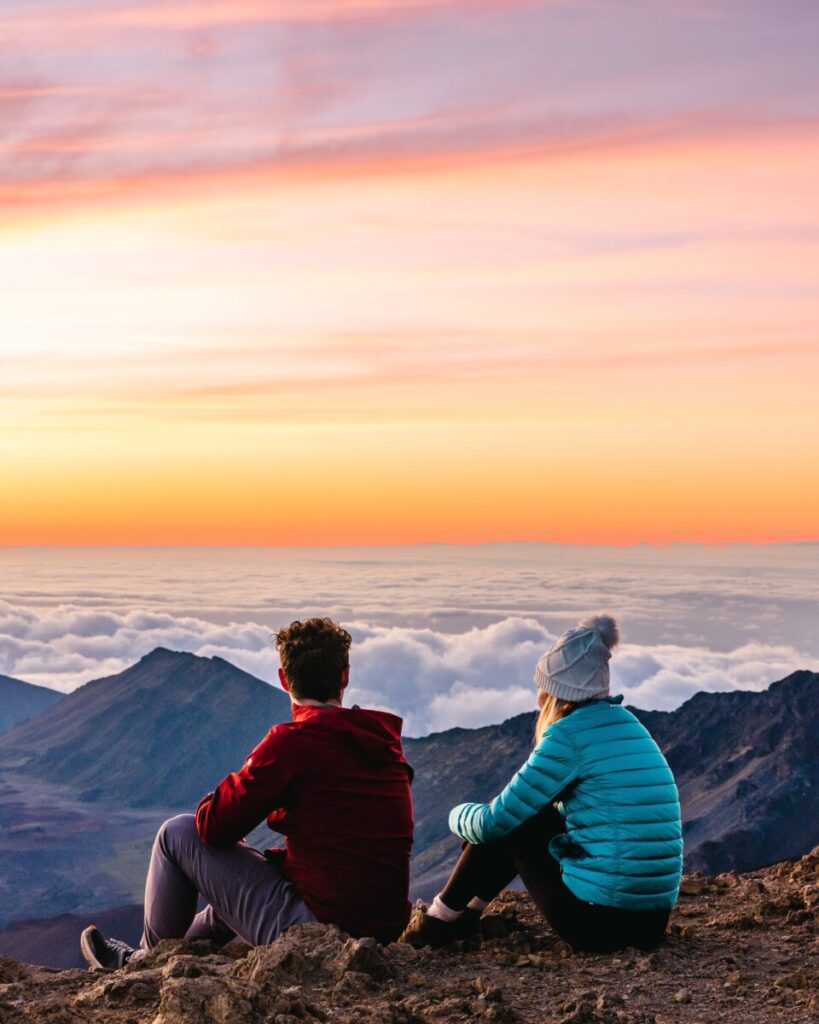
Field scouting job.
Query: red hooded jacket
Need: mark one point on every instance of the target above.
(335, 783)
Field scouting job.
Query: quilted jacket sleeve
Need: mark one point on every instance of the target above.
(551, 767)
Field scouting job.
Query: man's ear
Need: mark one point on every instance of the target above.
(345, 679)
(283, 681)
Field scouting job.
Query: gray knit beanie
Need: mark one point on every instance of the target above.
(576, 666)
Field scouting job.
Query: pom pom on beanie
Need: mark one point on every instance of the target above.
(575, 668)
(605, 626)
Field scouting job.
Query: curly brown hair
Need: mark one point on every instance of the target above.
(313, 656)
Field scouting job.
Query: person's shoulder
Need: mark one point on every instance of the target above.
(607, 720)
(592, 715)
(559, 732)
(276, 738)
(279, 730)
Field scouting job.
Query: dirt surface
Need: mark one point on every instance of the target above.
(740, 948)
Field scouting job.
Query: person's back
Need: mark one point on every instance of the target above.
(335, 783)
(623, 841)
(349, 828)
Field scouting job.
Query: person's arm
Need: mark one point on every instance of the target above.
(551, 767)
(245, 798)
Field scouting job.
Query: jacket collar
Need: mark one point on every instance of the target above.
(302, 711)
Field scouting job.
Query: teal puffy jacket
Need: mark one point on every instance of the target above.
(623, 841)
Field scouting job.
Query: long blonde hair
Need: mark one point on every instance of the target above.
(553, 709)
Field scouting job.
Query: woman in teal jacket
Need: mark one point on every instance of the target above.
(591, 821)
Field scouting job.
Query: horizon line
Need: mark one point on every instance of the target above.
(658, 545)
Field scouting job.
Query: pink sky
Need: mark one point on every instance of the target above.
(372, 272)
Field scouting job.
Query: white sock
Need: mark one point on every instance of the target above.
(440, 910)
(476, 903)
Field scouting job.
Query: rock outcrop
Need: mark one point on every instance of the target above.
(739, 948)
(747, 767)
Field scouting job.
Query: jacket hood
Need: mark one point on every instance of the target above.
(375, 734)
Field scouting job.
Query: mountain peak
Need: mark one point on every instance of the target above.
(165, 654)
(177, 721)
(796, 681)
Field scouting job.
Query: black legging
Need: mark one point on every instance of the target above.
(486, 870)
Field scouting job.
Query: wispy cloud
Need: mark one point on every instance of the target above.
(95, 162)
(115, 98)
(373, 372)
(160, 16)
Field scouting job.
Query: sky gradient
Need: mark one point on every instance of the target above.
(386, 272)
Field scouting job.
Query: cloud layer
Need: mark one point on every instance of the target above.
(444, 636)
(438, 681)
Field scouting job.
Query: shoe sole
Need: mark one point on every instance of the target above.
(88, 953)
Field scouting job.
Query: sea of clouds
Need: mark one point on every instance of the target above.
(443, 636)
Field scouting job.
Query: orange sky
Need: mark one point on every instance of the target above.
(421, 314)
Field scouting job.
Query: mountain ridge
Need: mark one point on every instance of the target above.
(21, 701)
(159, 733)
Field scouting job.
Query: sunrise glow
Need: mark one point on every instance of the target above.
(347, 273)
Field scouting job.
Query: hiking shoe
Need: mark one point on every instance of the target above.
(104, 954)
(424, 930)
(468, 925)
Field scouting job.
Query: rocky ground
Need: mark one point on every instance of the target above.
(741, 948)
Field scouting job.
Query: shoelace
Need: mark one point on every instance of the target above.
(120, 947)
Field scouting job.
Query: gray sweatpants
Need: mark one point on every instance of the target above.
(247, 895)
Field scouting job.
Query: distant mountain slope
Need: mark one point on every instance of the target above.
(747, 766)
(746, 763)
(160, 733)
(20, 701)
(54, 942)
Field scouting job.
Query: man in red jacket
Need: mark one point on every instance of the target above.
(334, 782)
